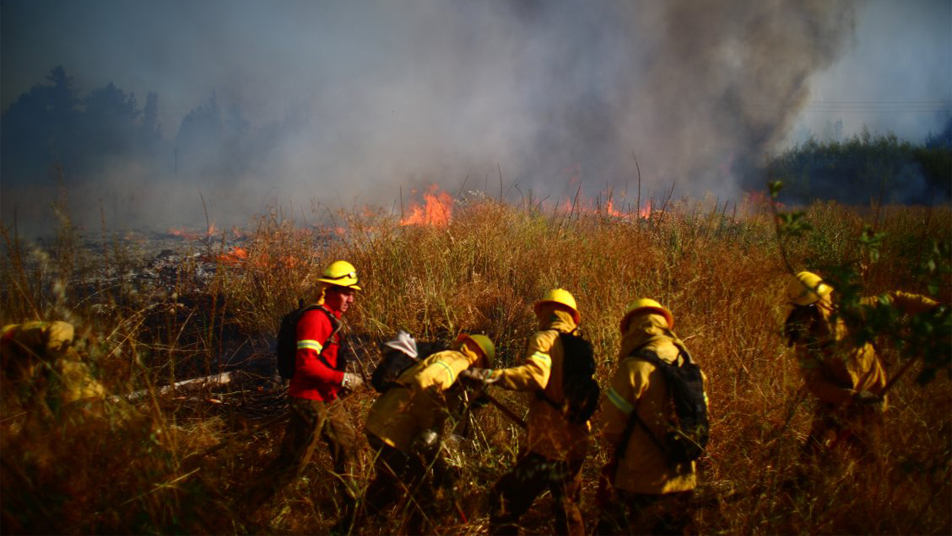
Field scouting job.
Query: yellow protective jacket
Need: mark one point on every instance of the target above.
(33, 346)
(549, 433)
(416, 402)
(40, 340)
(639, 386)
(835, 372)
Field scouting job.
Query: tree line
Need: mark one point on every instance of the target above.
(87, 136)
(868, 167)
(53, 123)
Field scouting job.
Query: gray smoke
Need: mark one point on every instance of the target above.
(380, 96)
(721, 84)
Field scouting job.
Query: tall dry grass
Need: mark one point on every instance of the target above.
(180, 466)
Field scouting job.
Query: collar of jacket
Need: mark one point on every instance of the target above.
(643, 330)
(560, 321)
(336, 314)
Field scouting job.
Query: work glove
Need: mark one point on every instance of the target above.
(866, 398)
(351, 381)
(478, 375)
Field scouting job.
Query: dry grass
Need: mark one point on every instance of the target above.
(179, 466)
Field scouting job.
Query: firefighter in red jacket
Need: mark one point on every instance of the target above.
(314, 397)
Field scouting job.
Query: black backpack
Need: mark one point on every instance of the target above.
(394, 363)
(578, 385)
(391, 366)
(690, 429)
(286, 349)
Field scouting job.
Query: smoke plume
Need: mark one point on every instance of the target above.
(346, 103)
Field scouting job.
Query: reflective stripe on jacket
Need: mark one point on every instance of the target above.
(639, 386)
(313, 379)
(549, 433)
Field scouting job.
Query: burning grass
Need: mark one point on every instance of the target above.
(181, 464)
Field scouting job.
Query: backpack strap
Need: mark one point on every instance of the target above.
(540, 393)
(336, 327)
(633, 419)
(396, 382)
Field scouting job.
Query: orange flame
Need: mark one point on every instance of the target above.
(238, 256)
(610, 210)
(645, 212)
(583, 205)
(437, 209)
(193, 235)
(234, 257)
(182, 233)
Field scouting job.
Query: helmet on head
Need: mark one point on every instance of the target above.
(645, 305)
(562, 297)
(340, 274)
(807, 288)
(485, 344)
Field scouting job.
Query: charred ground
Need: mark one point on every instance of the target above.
(157, 309)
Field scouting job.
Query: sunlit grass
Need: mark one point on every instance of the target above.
(182, 465)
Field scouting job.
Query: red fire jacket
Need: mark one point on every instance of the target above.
(313, 379)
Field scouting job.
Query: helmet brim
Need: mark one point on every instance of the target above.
(490, 357)
(811, 296)
(537, 307)
(626, 320)
(342, 284)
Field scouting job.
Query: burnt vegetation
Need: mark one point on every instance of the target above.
(152, 311)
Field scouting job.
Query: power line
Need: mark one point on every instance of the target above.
(941, 102)
(869, 107)
(877, 110)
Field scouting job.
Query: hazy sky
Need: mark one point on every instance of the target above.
(896, 74)
(401, 92)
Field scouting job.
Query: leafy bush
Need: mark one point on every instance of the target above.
(865, 167)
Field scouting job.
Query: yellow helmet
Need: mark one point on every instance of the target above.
(562, 297)
(807, 288)
(340, 274)
(645, 305)
(485, 344)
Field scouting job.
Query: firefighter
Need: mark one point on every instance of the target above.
(44, 370)
(848, 381)
(641, 489)
(555, 448)
(405, 427)
(314, 391)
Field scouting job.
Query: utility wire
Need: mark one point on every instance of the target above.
(933, 106)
